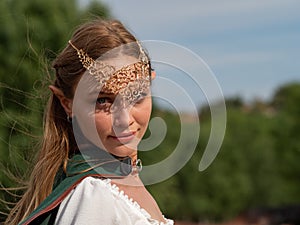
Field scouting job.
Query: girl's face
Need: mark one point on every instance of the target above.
(121, 129)
(107, 119)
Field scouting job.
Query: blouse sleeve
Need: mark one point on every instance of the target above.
(89, 203)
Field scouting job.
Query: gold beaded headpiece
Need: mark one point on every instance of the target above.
(131, 81)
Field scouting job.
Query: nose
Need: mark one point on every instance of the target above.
(122, 118)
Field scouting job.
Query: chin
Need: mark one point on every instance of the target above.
(122, 151)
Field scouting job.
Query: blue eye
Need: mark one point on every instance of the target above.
(102, 100)
(141, 97)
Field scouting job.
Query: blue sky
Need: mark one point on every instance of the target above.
(252, 47)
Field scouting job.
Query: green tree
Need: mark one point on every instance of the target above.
(257, 165)
(286, 137)
(32, 33)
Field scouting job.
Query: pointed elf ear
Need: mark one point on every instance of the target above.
(65, 102)
(153, 75)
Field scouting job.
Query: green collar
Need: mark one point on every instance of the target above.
(99, 161)
(92, 163)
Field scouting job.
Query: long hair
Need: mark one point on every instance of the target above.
(58, 143)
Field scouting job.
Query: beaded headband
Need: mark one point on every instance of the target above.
(131, 81)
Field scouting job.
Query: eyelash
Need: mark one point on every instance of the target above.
(141, 98)
(107, 100)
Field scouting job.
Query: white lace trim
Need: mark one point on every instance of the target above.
(116, 191)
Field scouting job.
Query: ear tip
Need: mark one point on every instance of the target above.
(153, 75)
(52, 88)
(55, 90)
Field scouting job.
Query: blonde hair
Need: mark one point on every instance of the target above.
(58, 143)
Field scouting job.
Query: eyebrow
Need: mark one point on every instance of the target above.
(97, 92)
(105, 93)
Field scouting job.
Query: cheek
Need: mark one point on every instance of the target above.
(103, 123)
(143, 113)
(85, 120)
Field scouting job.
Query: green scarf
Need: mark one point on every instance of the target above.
(91, 163)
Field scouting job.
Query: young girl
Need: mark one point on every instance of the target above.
(87, 169)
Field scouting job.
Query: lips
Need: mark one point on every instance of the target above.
(124, 137)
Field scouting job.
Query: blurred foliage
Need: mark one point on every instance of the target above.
(32, 33)
(256, 166)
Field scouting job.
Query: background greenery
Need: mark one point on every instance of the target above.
(256, 167)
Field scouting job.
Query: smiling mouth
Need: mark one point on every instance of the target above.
(124, 137)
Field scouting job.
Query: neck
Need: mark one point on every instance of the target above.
(134, 157)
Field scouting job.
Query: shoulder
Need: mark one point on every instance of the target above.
(89, 202)
(91, 188)
(97, 201)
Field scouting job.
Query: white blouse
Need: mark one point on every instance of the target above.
(98, 202)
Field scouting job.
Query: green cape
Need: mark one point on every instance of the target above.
(79, 167)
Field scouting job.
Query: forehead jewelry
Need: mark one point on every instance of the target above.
(130, 81)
